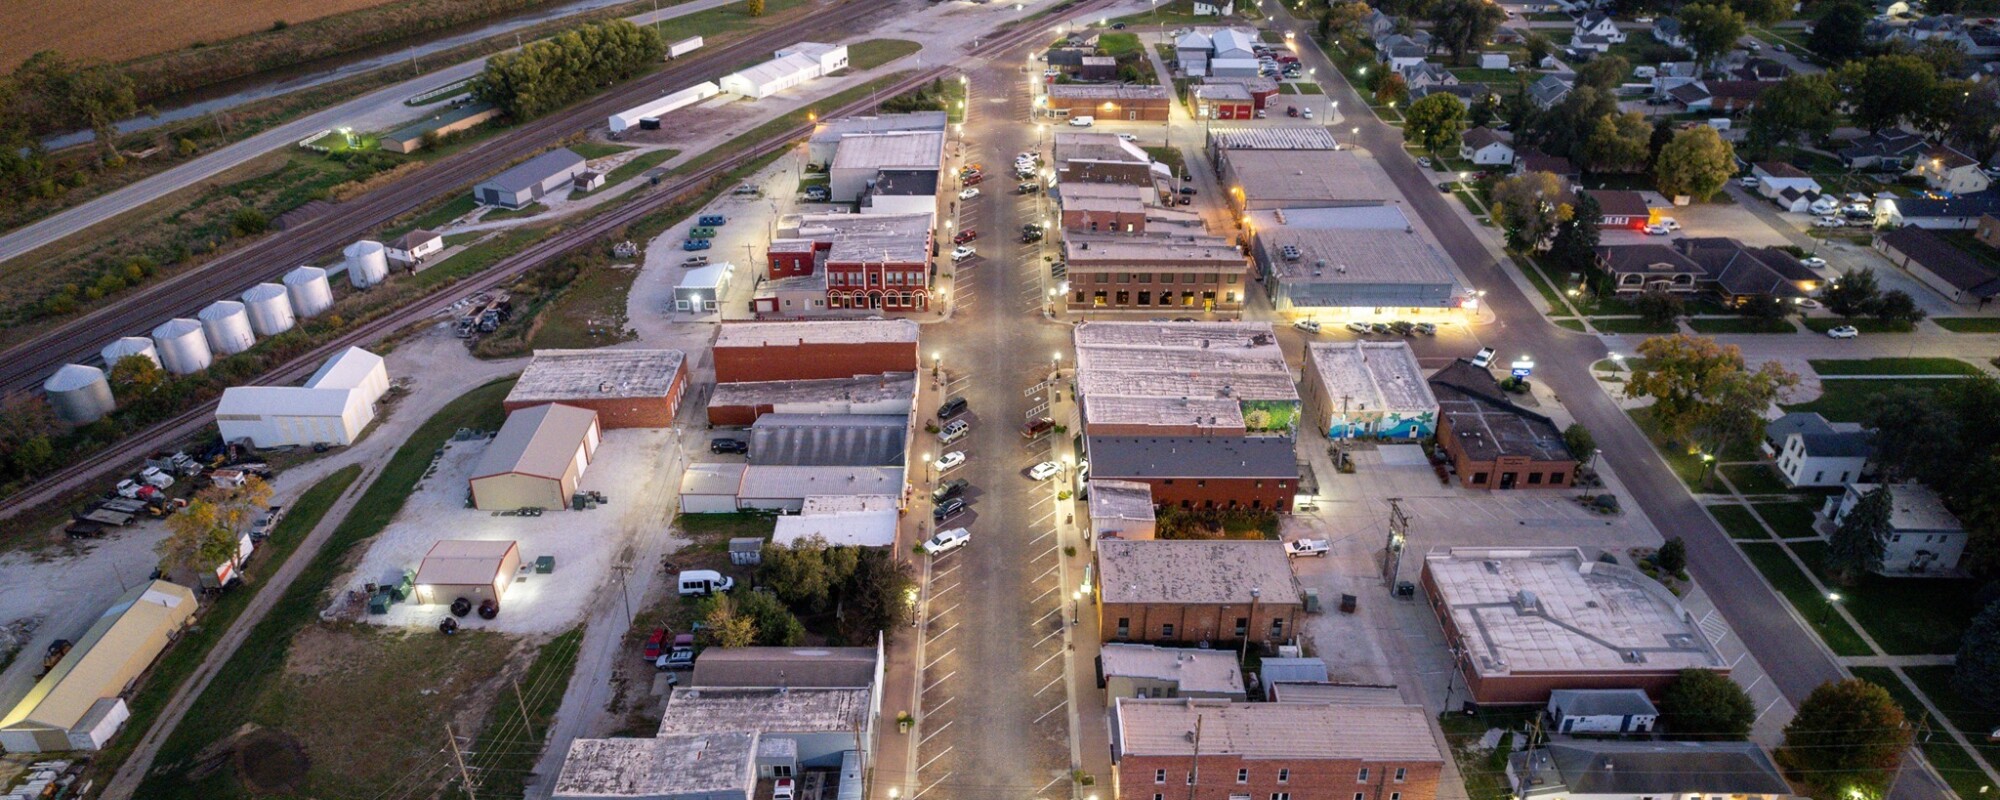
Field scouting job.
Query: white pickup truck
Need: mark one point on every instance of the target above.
(1307, 547)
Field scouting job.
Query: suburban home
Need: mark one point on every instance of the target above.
(1739, 272)
(1797, 201)
(1612, 770)
(1492, 443)
(1954, 273)
(1620, 208)
(1487, 147)
(1947, 170)
(1590, 44)
(1376, 25)
(1760, 69)
(1598, 23)
(1959, 212)
(412, 248)
(1774, 177)
(1398, 51)
(1691, 96)
(1640, 268)
(1548, 90)
(1191, 591)
(1600, 711)
(1667, 31)
(1425, 74)
(1526, 161)
(1736, 97)
(1276, 750)
(1815, 452)
(1146, 671)
(1495, 61)
(1924, 539)
(1887, 149)
(1670, 74)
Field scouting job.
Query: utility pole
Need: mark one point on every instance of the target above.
(526, 721)
(458, 757)
(1392, 560)
(1194, 765)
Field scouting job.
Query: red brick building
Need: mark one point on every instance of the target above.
(1190, 591)
(1492, 443)
(627, 388)
(1255, 472)
(1218, 750)
(817, 350)
(867, 261)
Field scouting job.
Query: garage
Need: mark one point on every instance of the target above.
(536, 459)
(475, 570)
(711, 488)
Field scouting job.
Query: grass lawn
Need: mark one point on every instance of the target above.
(1893, 366)
(589, 313)
(1907, 616)
(722, 19)
(1485, 773)
(1173, 157)
(638, 164)
(528, 210)
(1790, 520)
(1630, 325)
(1304, 87)
(1684, 464)
(1969, 324)
(435, 218)
(252, 687)
(1533, 270)
(712, 532)
(1570, 323)
(1949, 759)
(1477, 75)
(502, 764)
(1862, 324)
(595, 150)
(1935, 683)
(876, 52)
(1181, 12)
(1741, 325)
(1120, 45)
(1286, 88)
(1739, 522)
(1812, 606)
(1754, 479)
(1847, 400)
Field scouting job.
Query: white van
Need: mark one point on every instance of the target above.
(1082, 122)
(704, 582)
(954, 431)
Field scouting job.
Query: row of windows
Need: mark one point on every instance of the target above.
(1507, 479)
(1286, 796)
(899, 278)
(1284, 773)
(1101, 299)
(1165, 277)
(1167, 632)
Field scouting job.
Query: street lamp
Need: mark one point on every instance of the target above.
(930, 467)
(1707, 463)
(1832, 599)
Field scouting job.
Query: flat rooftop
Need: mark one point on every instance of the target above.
(1485, 421)
(1108, 91)
(1302, 177)
(1311, 137)
(1222, 91)
(1083, 250)
(870, 238)
(1194, 572)
(1275, 730)
(1126, 500)
(1195, 670)
(689, 764)
(891, 150)
(1368, 377)
(829, 440)
(1198, 457)
(1165, 373)
(866, 389)
(1331, 218)
(1377, 256)
(787, 334)
(766, 710)
(557, 375)
(1346, 694)
(832, 130)
(1550, 610)
(1915, 507)
(1098, 147)
(764, 482)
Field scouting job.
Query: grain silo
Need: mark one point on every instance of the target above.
(367, 263)
(308, 291)
(80, 394)
(270, 311)
(130, 346)
(183, 347)
(228, 327)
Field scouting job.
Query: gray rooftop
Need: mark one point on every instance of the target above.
(870, 238)
(1108, 91)
(1125, 500)
(1098, 147)
(535, 170)
(1550, 610)
(1285, 138)
(1203, 252)
(1914, 507)
(766, 482)
(829, 440)
(657, 767)
(1336, 256)
(1170, 373)
(785, 334)
(1193, 457)
(1295, 177)
(1212, 671)
(863, 389)
(558, 375)
(1194, 571)
(831, 130)
(1346, 694)
(796, 667)
(1275, 730)
(891, 150)
(1602, 702)
(1279, 670)
(1487, 424)
(1369, 376)
(1371, 217)
(1583, 767)
(766, 710)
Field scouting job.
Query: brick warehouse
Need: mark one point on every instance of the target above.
(1191, 591)
(1312, 751)
(1492, 443)
(865, 261)
(627, 388)
(821, 350)
(1118, 101)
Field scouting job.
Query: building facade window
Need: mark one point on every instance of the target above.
(1401, 773)
(1285, 775)
(1242, 775)
(1167, 631)
(1362, 776)
(1159, 776)
(1124, 627)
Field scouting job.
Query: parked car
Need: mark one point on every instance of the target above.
(656, 644)
(1307, 325)
(953, 431)
(1029, 187)
(1749, 182)
(1307, 113)
(1380, 328)
(965, 236)
(969, 193)
(1314, 548)
(783, 789)
(1044, 470)
(949, 489)
(694, 261)
(818, 194)
(1426, 328)
(1291, 111)
(1358, 327)
(974, 179)
(736, 446)
(947, 541)
(1485, 357)
(1128, 137)
(947, 509)
(1188, 190)
(1037, 427)
(1031, 236)
(951, 459)
(962, 253)
(1656, 230)
(1843, 332)
(952, 407)
(1813, 261)
(1445, 188)
(1424, 161)
(1828, 222)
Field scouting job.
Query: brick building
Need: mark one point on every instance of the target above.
(1183, 379)
(1103, 158)
(1218, 750)
(1118, 101)
(1111, 271)
(865, 261)
(1492, 443)
(1191, 591)
(1253, 472)
(818, 350)
(1530, 620)
(627, 388)
(1104, 208)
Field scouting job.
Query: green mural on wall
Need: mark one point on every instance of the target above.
(1264, 416)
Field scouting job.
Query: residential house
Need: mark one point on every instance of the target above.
(1924, 538)
(1526, 161)
(1275, 750)
(1548, 90)
(1397, 51)
(1760, 69)
(1958, 212)
(1492, 443)
(1193, 591)
(1376, 25)
(1425, 74)
(1639, 268)
(1773, 177)
(1146, 671)
(1892, 8)
(1667, 31)
(1887, 149)
(1954, 273)
(1487, 147)
(1691, 96)
(1989, 231)
(1814, 452)
(1590, 44)
(1573, 711)
(1736, 97)
(1620, 208)
(1598, 23)
(1610, 770)
(1670, 74)
(1947, 170)
(1736, 272)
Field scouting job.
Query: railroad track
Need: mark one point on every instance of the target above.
(163, 435)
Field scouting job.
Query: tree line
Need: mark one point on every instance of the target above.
(51, 94)
(851, 593)
(546, 75)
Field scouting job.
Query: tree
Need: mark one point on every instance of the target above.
(1561, 129)
(807, 573)
(1538, 47)
(1702, 389)
(877, 600)
(1976, 675)
(1579, 441)
(1763, 12)
(775, 624)
(1946, 58)
(548, 74)
(196, 541)
(137, 373)
(91, 96)
(1529, 205)
(1463, 25)
(756, 8)
(1697, 163)
(1885, 90)
(1659, 308)
(1711, 30)
(1617, 143)
(1854, 294)
(1841, 34)
(1799, 105)
(1703, 704)
(1604, 73)
(1859, 542)
(236, 507)
(1672, 557)
(1846, 736)
(1663, 134)
(725, 627)
(1574, 250)
(1896, 305)
(1390, 88)
(1436, 121)
(1967, 113)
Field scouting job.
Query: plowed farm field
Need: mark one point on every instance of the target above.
(120, 30)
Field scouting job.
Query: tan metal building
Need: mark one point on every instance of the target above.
(472, 569)
(537, 459)
(77, 705)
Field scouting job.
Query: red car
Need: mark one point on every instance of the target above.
(965, 236)
(656, 644)
(973, 179)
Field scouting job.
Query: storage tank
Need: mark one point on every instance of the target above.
(80, 394)
(367, 263)
(183, 347)
(308, 291)
(270, 311)
(130, 346)
(228, 326)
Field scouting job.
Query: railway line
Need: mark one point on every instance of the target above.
(163, 435)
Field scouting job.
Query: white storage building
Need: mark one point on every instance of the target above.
(531, 180)
(648, 115)
(332, 408)
(701, 290)
(791, 67)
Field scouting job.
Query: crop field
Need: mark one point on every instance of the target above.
(117, 30)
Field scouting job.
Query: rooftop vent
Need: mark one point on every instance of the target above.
(1526, 602)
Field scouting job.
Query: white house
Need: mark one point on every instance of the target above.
(414, 247)
(1192, 49)
(1487, 147)
(1426, 74)
(333, 407)
(1924, 538)
(1947, 170)
(1773, 177)
(1814, 452)
(1601, 711)
(1667, 31)
(1600, 24)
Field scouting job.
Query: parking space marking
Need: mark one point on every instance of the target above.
(947, 571)
(941, 728)
(936, 614)
(935, 784)
(1045, 714)
(938, 756)
(1054, 782)
(936, 661)
(1055, 611)
(940, 634)
(940, 682)
(1038, 598)
(1038, 556)
(1052, 634)
(1052, 685)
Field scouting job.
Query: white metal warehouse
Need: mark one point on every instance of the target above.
(537, 458)
(791, 67)
(333, 407)
(648, 115)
